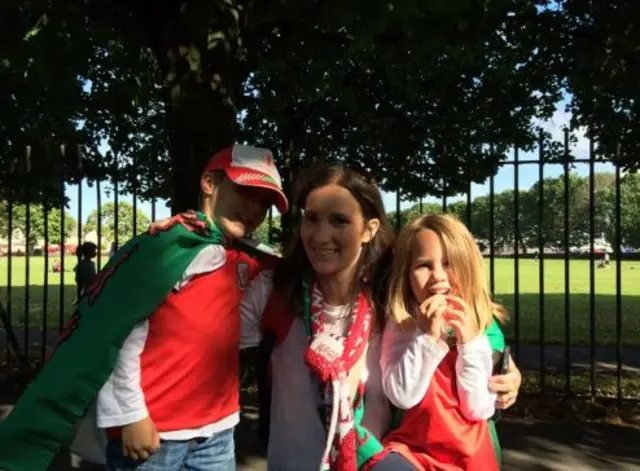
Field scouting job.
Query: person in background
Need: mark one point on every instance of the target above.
(86, 268)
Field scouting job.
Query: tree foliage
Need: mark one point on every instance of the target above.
(36, 223)
(551, 226)
(125, 222)
(601, 63)
(431, 98)
(424, 94)
(262, 233)
(630, 212)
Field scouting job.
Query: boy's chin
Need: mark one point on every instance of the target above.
(234, 230)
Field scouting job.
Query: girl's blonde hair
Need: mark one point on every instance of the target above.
(464, 258)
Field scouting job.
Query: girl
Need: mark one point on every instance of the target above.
(325, 321)
(437, 353)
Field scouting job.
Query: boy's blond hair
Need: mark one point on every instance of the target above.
(465, 260)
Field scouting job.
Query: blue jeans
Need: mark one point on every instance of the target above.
(216, 453)
(393, 462)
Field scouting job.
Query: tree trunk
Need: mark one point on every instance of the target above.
(197, 46)
(289, 172)
(191, 149)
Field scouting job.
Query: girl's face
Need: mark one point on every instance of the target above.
(430, 272)
(333, 230)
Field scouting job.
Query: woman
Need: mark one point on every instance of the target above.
(326, 324)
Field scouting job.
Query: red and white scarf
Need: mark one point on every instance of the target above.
(331, 358)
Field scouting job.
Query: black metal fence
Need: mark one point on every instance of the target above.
(33, 314)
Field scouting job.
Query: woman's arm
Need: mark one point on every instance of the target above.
(506, 386)
(408, 362)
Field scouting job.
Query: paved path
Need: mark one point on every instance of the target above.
(528, 357)
(527, 447)
(569, 447)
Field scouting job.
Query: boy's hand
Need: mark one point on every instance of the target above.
(430, 318)
(188, 219)
(462, 319)
(140, 439)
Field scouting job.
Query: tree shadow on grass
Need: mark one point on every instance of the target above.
(59, 307)
(529, 319)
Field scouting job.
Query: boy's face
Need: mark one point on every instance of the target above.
(235, 209)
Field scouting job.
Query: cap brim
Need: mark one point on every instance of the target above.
(249, 177)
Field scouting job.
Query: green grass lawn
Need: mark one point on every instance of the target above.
(529, 313)
(36, 290)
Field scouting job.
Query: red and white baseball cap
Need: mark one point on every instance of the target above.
(250, 166)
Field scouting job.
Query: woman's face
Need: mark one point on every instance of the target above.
(333, 230)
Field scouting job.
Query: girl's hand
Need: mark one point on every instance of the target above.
(430, 317)
(462, 319)
(507, 386)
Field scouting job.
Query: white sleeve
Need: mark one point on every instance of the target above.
(252, 306)
(121, 400)
(474, 367)
(209, 259)
(408, 362)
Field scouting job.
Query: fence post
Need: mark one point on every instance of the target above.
(541, 304)
(135, 200)
(492, 237)
(99, 221)
(11, 338)
(45, 293)
(116, 222)
(618, 252)
(62, 238)
(516, 249)
(592, 274)
(79, 236)
(27, 255)
(567, 268)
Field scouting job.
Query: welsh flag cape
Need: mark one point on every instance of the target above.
(127, 291)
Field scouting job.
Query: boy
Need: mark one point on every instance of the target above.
(176, 378)
(162, 331)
